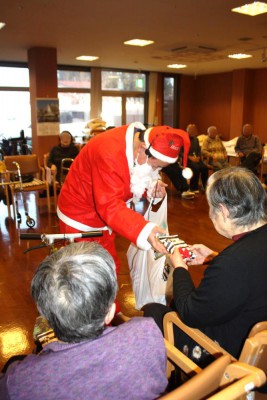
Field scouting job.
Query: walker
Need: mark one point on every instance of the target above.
(30, 222)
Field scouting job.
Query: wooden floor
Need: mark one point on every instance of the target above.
(188, 218)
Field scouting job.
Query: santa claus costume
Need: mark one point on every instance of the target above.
(97, 193)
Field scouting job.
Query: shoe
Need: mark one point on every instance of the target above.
(188, 195)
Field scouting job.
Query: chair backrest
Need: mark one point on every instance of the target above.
(254, 351)
(212, 347)
(29, 164)
(202, 384)
(238, 382)
(260, 326)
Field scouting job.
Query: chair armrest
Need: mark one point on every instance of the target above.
(204, 341)
(240, 379)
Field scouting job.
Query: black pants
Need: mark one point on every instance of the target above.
(182, 341)
(174, 173)
(251, 161)
(199, 170)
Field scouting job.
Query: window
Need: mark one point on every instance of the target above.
(123, 81)
(15, 110)
(135, 109)
(170, 108)
(112, 110)
(123, 97)
(74, 100)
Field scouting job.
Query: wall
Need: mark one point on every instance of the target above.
(226, 100)
(206, 100)
(259, 103)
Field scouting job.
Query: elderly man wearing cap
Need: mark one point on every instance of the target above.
(114, 169)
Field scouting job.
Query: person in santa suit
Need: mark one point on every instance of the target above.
(113, 170)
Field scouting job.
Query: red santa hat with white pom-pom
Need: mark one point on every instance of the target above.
(164, 143)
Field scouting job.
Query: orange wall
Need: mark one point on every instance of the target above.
(259, 103)
(226, 100)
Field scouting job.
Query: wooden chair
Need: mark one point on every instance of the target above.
(254, 351)
(221, 380)
(29, 165)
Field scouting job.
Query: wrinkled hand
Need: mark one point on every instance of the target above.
(155, 243)
(203, 254)
(159, 190)
(176, 259)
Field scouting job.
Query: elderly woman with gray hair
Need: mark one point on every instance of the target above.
(74, 289)
(232, 295)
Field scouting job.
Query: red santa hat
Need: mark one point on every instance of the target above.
(164, 143)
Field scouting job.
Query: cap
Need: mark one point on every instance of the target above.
(96, 124)
(164, 143)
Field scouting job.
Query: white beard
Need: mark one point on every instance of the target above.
(143, 178)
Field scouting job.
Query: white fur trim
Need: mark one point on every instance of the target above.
(141, 241)
(78, 225)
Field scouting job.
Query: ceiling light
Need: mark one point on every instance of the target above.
(87, 58)
(252, 9)
(138, 42)
(177, 66)
(2, 24)
(239, 56)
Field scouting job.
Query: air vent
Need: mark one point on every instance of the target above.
(194, 49)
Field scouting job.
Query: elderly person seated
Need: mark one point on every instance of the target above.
(213, 151)
(232, 295)
(74, 289)
(65, 149)
(248, 148)
(195, 161)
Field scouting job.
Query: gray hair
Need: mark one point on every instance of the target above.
(74, 288)
(211, 128)
(242, 194)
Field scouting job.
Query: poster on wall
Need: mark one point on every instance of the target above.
(47, 117)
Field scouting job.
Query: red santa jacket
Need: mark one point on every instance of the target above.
(97, 188)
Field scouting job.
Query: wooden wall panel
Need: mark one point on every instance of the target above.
(213, 102)
(258, 96)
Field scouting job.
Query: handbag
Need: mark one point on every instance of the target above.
(150, 273)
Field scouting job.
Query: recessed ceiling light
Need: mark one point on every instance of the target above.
(2, 24)
(239, 56)
(177, 66)
(252, 9)
(87, 58)
(138, 42)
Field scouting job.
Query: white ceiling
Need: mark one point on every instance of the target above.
(99, 28)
